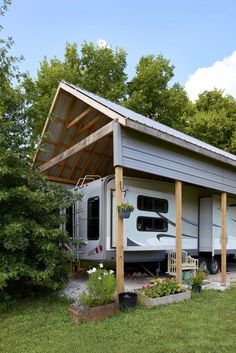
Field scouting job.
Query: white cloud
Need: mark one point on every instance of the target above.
(102, 43)
(221, 75)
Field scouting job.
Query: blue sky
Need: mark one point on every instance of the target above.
(192, 34)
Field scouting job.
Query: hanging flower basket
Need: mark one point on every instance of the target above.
(125, 209)
(124, 214)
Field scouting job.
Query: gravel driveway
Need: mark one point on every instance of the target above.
(76, 285)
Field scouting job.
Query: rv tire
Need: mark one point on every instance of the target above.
(214, 266)
(203, 263)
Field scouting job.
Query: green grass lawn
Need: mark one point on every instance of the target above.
(205, 324)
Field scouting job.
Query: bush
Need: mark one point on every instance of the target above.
(100, 288)
(198, 278)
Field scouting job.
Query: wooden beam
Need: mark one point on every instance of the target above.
(88, 160)
(119, 232)
(61, 180)
(74, 136)
(59, 164)
(51, 111)
(55, 143)
(89, 125)
(63, 131)
(178, 211)
(76, 160)
(92, 102)
(77, 157)
(101, 156)
(89, 140)
(79, 117)
(57, 118)
(223, 237)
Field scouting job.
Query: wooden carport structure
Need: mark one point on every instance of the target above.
(86, 135)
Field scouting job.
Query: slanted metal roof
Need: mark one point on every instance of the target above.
(84, 135)
(159, 130)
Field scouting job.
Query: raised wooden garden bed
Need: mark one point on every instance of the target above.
(169, 299)
(79, 315)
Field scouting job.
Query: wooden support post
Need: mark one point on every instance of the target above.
(178, 206)
(223, 237)
(119, 232)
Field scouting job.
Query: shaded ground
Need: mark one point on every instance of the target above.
(138, 279)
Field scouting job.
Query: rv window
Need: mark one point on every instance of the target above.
(69, 220)
(146, 203)
(151, 224)
(93, 218)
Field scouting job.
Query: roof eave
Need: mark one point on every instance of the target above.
(179, 142)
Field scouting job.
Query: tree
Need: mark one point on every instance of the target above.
(149, 92)
(29, 223)
(99, 70)
(103, 71)
(29, 218)
(213, 120)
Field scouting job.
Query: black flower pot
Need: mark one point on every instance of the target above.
(196, 288)
(127, 300)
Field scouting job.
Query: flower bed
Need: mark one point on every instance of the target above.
(163, 291)
(98, 301)
(79, 315)
(100, 288)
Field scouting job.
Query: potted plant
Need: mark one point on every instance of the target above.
(162, 291)
(98, 301)
(125, 209)
(197, 280)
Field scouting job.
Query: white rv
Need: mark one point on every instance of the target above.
(149, 233)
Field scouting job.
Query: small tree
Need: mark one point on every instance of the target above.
(30, 235)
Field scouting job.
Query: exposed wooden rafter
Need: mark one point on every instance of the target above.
(89, 125)
(57, 118)
(65, 165)
(101, 156)
(76, 160)
(79, 117)
(88, 160)
(74, 164)
(61, 180)
(97, 135)
(62, 134)
(55, 143)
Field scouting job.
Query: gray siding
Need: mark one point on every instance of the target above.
(144, 153)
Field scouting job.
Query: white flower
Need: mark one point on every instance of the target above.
(105, 273)
(101, 265)
(111, 272)
(99, 277)
(92, 271)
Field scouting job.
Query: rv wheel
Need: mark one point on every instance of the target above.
(203, 264)
(213, 266)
